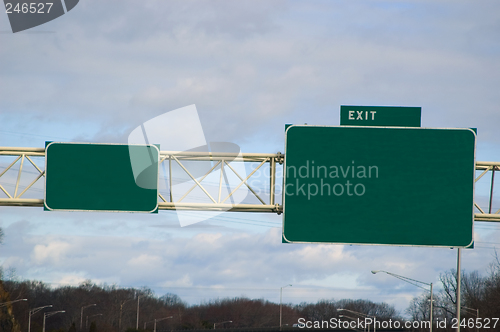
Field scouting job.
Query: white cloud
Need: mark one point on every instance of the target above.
(71, 279)
(52, 252)
(149, 61)
(183, 281)
(144, 262)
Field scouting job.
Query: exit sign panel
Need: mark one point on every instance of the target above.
(99, 177)
(372, 185)
(383, 116)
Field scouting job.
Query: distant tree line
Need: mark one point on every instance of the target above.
(480, 301)
(116, 310)
(7, 318)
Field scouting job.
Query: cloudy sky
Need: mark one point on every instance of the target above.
(250, 67)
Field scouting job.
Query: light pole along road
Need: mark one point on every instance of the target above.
(227, 321)
(281, 304)
(48, 314)
(353, 320)
(360, 314)
(121, 310)
(34, 311)
(87, 320)
(413, 282)
(160, 319)
(10, 302)
(476, 311)
(81, 314)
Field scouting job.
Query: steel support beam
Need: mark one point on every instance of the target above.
(169, 159)
(15, 197)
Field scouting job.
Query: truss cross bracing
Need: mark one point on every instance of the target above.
(17, 192)
(21, 185)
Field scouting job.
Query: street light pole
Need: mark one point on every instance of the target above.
(477, 314)
(281, 304)
(137, 324)
(412, 281)
(120, 319)
(145, 323)
(432, 304)
(48, 314)
(10, 302)
(360, 314)
(459, 284)
(353, 319)
(87, 320)
(227, 321)
(81, 314)
(160, 319)
(34, 311)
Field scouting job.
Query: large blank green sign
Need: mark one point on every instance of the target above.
(369, 185)
(101, 177)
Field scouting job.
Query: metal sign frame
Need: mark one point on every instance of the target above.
(23, 193)
(473, 179)
(46, 206)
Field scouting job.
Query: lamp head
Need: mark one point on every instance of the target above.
(375, 272)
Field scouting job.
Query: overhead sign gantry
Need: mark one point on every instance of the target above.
(379, 179)
(427, 162)
(372, 185)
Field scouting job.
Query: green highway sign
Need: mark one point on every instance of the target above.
(383, 116)
(100, 177)
(373, 185)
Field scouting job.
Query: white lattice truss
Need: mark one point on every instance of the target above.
(222, 163)
(24, 159)
(487, 167)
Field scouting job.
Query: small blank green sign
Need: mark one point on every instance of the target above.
(382, 116)
(99, 177)
(369, 185)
